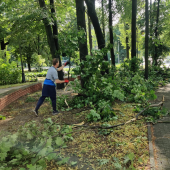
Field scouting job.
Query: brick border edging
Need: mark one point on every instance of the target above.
(151, 152)
(9, 98)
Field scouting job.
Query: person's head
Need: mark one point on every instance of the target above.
(55, 62)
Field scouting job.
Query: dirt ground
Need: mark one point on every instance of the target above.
(88, 146)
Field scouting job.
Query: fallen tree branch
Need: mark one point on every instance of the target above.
(152, 105)
(129, 121)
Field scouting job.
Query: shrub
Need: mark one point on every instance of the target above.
(9, 73)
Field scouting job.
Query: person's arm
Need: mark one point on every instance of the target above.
(60, 68)
(61, 81)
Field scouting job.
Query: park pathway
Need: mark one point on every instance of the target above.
(4, 90)
(160, 135)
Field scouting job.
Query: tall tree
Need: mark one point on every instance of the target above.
(55, 35)
(134, 10)
(146, 38)
(127, 40)
(81, 24)
(111, 33)
(3, 44)
(103, 25)
(90, 35)
(156, 36)
(49, 33)
(93, 16)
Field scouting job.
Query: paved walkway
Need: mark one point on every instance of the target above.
(5, 90)
(161, 134)
(10, 88)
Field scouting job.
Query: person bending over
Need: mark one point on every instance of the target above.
(49, 86)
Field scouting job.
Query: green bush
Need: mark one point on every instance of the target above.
(32, 146)
(9, 73)
(31, 77)
(37, 74)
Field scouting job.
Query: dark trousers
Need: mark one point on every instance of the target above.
(47, 91)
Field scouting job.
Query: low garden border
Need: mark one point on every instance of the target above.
(12, 95)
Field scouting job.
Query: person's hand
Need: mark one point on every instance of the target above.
(66, 63)
(66, 81)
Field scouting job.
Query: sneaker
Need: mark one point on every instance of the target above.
(56, 112)
(36, 112)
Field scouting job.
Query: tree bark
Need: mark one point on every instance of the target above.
(93, 16)
(95, 22)
(55, 35)
(81, 24)
(156, 36)
(90, 36)
(127, 41)
(134, 9)
(111, 33)
(127, 47)
(3, 44)
(29, 67)
(103, 19)
(50, 39)
(146, 38)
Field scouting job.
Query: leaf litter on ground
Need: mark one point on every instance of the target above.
(92, 148)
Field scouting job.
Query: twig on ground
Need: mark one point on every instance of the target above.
(129, 121)
(65, 90)
(152, 105)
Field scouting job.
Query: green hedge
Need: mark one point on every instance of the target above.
(37, 74)
(30, 78)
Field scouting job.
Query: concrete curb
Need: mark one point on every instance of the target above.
(151, 152)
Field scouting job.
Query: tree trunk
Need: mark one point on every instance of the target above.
(151, 26)
(29, 67)
(38, 49)
(23, 75)
(50, 38)
(127, 47)
(95, 22)
(146, 38)
(111, 33)
(55, 35)
(156, 36)
(3, 45)
(134, 9)
(127, 41)
(103, 19)
(81, 24)
(93, 16)
(90, 36)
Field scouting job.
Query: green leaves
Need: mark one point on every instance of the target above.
(9, 73)
(2, 117)
(103, 161)
(63, 161)
(34, 150)
(93, 116)
(117, 94)
(59, 141)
